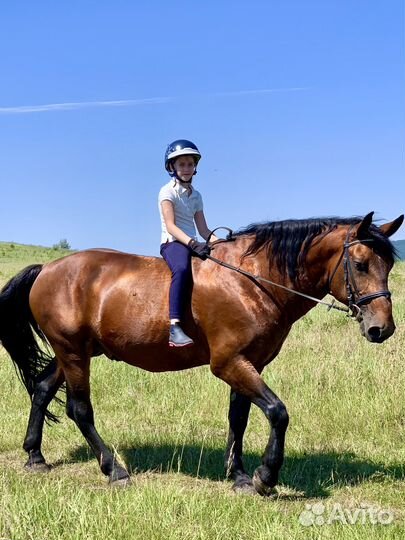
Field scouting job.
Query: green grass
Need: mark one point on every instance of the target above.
(14, 257)
(345, 443)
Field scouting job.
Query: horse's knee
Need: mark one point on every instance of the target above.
(278, 415)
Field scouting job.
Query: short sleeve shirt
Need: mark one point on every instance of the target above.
(185, 206)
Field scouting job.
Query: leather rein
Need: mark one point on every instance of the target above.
(355, 300)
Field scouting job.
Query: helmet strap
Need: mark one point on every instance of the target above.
(177, 179)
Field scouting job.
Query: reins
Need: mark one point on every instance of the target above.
(329, 305)
(353, 310)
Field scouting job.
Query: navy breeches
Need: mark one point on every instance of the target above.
(178, 258)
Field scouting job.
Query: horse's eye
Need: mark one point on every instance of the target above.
(361, 266)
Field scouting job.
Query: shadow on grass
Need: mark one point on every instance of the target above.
(313, 474)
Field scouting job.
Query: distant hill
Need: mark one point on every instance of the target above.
(14, 256)
(400, 247)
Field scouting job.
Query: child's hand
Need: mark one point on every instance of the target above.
(200, 249)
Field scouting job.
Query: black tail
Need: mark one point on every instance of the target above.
(17, 327)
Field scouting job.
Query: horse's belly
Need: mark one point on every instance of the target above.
(160, 357)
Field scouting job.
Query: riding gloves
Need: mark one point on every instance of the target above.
(199, 249)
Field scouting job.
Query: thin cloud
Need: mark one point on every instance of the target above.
(72, 106)
(262, 91)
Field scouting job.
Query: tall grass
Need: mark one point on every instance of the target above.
(345, 443)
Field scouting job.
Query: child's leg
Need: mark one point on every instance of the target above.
(178, 258)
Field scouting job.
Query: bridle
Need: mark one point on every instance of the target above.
(355, 301)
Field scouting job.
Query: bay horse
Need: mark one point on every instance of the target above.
(107, 302)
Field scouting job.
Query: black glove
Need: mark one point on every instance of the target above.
(199, 249)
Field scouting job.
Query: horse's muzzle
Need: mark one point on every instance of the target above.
(376, 333)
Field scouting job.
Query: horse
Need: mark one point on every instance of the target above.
(104, 301)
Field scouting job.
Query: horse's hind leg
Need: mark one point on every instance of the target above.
(50, 381)
(239, 408)
(79, 409)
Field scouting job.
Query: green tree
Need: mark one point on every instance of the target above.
(62, 244)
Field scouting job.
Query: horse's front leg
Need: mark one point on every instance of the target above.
(244, 379)
(239, 408)
(265, 477)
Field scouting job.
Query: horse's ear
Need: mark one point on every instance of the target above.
(390, 228)
(364, 225)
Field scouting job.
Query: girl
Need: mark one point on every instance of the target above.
(180, 206)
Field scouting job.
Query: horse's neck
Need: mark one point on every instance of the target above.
(320, 260)
(312, 277)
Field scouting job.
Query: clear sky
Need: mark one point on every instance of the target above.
(296, 106)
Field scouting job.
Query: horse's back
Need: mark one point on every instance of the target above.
(76, 289)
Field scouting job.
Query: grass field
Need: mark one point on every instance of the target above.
(345, 445)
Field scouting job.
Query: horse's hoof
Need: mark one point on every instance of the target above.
(262, 488)
(120, 482)
(244, 489)
(37, 467)
(243, 484)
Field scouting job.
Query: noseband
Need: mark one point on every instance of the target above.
(355, 300)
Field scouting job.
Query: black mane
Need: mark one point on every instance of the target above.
(287, 242)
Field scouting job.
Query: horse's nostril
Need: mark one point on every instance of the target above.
(374, 332)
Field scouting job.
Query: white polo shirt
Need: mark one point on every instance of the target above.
(185, 207)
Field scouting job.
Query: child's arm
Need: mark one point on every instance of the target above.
(202, 227)
(171, 227)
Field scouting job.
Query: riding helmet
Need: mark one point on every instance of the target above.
(181, 147)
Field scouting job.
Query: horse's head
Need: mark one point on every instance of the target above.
(359, 275)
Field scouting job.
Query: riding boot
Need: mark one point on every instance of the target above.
(178, 338)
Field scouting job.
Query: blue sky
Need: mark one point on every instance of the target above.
(296, 106)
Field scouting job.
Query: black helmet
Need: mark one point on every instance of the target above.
(181, 147)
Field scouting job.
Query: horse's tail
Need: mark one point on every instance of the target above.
(18, 328)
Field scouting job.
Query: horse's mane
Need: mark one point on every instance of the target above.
(287, 242)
